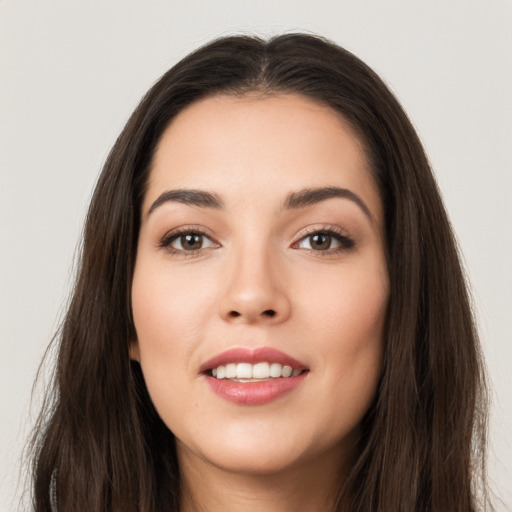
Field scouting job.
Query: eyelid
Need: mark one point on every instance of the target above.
(171, 235)
(339, 234)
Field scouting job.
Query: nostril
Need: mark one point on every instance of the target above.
(269, 313)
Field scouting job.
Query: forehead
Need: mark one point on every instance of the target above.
(260, 144)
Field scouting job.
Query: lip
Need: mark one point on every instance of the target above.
(253, 393)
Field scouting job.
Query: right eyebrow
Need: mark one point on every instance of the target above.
(188, 196)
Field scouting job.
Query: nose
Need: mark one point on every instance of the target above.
(253, 291)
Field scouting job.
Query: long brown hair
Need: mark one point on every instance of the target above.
(423, 440)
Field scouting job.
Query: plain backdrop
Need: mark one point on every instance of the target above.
(72, 72)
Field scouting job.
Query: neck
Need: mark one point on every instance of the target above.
(308, 487)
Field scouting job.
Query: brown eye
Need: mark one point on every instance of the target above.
(191, 242)
(328, 241)
(320, 242)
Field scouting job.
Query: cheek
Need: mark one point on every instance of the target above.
(172, 311)
(347, 308)
(347, 324)
(165, 314)
(169, 308)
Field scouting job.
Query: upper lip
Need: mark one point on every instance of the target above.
(253, 356)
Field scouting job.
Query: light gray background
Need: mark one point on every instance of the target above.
(72, 72)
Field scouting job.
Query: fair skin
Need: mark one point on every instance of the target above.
(252, 266)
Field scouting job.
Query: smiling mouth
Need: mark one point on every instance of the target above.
(259, 372)
(254, 376)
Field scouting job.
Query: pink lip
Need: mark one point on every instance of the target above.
(258, 355)
(253, 393)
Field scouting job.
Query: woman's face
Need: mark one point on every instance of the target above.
(261, 253)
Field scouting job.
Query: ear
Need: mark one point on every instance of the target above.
(134, 350)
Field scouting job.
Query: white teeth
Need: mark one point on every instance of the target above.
(244, 371)
(261, 370)
(275, 370)
(287, 371)
(230, 371)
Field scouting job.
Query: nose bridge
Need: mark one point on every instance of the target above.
(252, 291)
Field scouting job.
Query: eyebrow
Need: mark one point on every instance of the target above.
(294, 200)
(189, 196)
(309, 196)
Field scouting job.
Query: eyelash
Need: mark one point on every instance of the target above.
(170, 237)
(346, 243)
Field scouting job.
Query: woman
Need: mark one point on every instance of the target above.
(270, 312)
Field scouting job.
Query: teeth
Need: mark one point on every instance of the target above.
(221, 372)
(244, 371)
(262, 370)
(287, 371)
(230, 371)
(275, 370)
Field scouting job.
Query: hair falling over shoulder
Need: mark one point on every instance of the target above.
(422, 446)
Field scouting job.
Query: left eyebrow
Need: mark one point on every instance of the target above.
(309, 196)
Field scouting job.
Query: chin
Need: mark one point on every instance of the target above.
(253, 461)
(265, 452)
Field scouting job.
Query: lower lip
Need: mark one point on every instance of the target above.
(254, 393)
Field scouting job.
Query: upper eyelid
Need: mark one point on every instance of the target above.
(326, 228)
(342, 235)
(200, 230)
